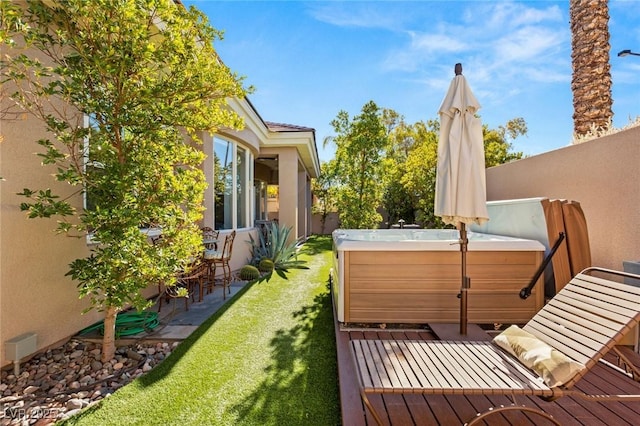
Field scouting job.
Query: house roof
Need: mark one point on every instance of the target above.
(283, 127)
(283, 135)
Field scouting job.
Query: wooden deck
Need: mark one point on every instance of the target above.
(415, 409)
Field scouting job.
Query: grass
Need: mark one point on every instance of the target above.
(267, 357)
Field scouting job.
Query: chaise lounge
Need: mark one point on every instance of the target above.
(545, 358)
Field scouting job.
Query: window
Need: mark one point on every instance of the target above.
(241, 188)
(232, 198)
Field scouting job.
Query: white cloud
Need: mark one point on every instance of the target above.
(422, 49)
(429, 43)
(356, 14)
(492, 34)
(527, 43)
(504, 15)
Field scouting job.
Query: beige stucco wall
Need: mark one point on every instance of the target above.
(35, 295)
(602, 175)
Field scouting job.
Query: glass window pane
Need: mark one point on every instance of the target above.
(241, 188)
(223, 183)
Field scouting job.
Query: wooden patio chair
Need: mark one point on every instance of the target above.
(210, 237)
(195, 274)
(222, 258)
(583, 322)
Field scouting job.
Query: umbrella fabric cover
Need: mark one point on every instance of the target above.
(461, 190)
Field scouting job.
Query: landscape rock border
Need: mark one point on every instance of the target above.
(62, 381)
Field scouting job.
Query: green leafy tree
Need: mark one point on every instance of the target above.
(497, 148)
(324, 189)
(397, 200)
(360, 146)
(147, 76)
(419, 178)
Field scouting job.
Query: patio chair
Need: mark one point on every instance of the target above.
(221, 258)
(210, 238)
(545, 358)
(194, 275)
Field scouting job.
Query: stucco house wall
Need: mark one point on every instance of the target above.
(35, 294)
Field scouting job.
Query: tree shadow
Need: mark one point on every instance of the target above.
(317, 244)
(300, 387)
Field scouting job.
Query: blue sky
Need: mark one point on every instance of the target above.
(310, 59)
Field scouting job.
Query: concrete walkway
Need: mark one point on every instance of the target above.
(176, 323)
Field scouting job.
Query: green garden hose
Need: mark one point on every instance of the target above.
(128, 323)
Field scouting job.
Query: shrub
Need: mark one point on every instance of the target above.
(249, 273)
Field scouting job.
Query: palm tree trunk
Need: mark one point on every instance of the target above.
(591, 81)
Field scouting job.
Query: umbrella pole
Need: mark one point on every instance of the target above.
(465, 280)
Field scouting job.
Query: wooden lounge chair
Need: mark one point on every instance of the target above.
(585, 320)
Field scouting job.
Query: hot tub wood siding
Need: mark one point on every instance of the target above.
(422, 286)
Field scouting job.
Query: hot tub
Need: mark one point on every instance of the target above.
(413, 276)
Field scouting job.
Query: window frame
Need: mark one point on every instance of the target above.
(246, 180)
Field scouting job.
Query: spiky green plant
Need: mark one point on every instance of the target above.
(275, 246)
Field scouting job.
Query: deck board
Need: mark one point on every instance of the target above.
(416, 409)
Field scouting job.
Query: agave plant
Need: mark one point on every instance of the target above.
(273, 245)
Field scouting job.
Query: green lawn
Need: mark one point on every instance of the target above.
(266, 358)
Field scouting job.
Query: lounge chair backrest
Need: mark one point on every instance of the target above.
(587, 318)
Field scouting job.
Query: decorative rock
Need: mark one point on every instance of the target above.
(85, 380)
(76, 354)
(53, 380)
(134, 355)
(70, 413)
(30, 389)
(74, 404)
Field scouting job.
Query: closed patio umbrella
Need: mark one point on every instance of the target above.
(461, 194)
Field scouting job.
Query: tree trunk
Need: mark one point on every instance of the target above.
(591, 80)
(109, 338)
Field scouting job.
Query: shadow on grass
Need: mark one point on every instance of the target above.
(316, 244)
(300, 386)
(165, 367)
